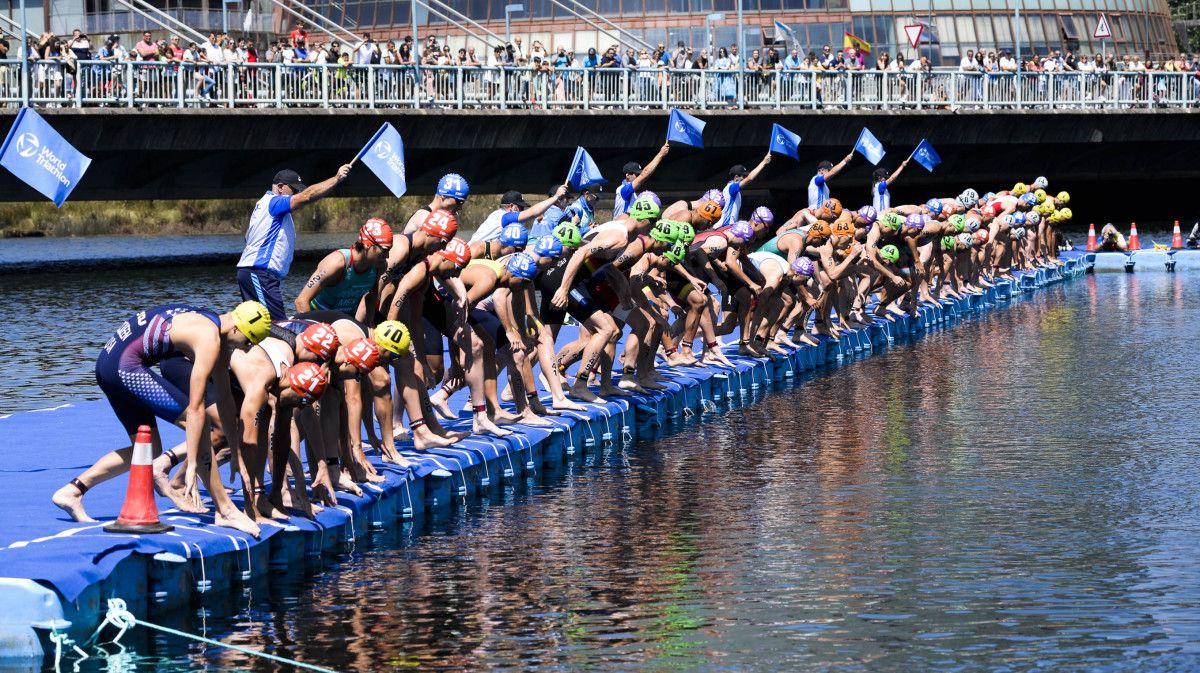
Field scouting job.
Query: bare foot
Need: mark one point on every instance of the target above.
(70, 500)
(650, 384)
(773, 347)
(581, 392)
(442, 407)
(540, 409)
(530, 418)
(678, 359)
(505, 417)
(343, 482)
(423, 441)
(484, 425)
(506, 395)
(235, 519)
(609, 390)
(809, 340)
(630, 384)
(565, 404)
(269, 510)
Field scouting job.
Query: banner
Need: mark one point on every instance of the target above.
(44, 160)
(869, 146)
(926, 155)
(686, 129)
(384, 155)
(583, 170)
(851, 40)
(784, 141)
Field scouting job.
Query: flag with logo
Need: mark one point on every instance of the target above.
(926, 155)
(784, 141)
(869, 146)
(36, 153)
(384, 155)
(852, 40)
(584, 171)
(686, 129)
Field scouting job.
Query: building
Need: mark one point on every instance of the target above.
(1138, 26)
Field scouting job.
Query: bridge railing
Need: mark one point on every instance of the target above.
(161, 84)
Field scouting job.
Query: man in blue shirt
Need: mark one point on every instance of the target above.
(271, 237)
(818, 191)
(635, 177)
(881, 199)
(549, 219)
(580, 211)
(591, 60)
(739, 177)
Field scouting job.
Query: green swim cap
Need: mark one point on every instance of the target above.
(892, 221)
(683, 231)
(677, 252)
(662, 232)
(890, 253)
(959, 222)
(645, 207)
(947, 242)
(568, 235)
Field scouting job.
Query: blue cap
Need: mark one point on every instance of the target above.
(548, 246)
(514, 236)
(934, 206)
(521, 266)
(453, 185)
(1018, 219)
(1029, 198)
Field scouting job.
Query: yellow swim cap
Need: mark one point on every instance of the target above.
(1041, 195)
(1020, 188)
(392, 336)
(253, 320)
(1064, 197)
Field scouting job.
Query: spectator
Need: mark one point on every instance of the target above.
(80, 45)
(367, 52)
(147, 49)
(539, 51)
(828, 59)
(518, 51)
(883, 62)
(297, 37)
(472, 59)
(591, 60)
(175, 48)
(609, 59)
(679, 59)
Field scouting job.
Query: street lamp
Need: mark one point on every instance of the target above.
(508, 10)
(708, 22)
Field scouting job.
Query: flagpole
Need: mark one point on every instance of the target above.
(24, 57)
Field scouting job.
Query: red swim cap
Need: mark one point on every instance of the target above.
(320, 338)
(307, 379)
(441, 224)
(376, 232)
(457, 251)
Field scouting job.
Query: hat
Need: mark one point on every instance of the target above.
(632, 167)
(737, 170)
(593, 188)
(515, 198)
(824, 165)
(290, 178)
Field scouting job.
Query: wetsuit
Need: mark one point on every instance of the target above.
(124, 371)
(581, 305)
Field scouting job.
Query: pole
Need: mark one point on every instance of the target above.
(415, 57)
(507, 26)
(225, 16)
(24, 57)
(1017, 26)
(741, 31)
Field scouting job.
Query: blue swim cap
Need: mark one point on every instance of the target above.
(989, 196)
(934, 206)
(521, 266)
(1029, 198)
(514, 236)
(1018, 219)
(453, 185)
(714, 195)
(548, 246)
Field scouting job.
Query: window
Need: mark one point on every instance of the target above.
(862, 27)
(607, 7)
(656, 6)
(965, 28)
(1067, 22)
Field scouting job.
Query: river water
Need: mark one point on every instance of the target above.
(1016, 493)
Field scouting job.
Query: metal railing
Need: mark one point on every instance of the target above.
(163, 84)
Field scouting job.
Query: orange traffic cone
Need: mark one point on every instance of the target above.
(1134, 244)
(139, 514)
(1091, 247)
(1176, 238)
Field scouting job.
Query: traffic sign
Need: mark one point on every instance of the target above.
(1102, 29)
(913, 31)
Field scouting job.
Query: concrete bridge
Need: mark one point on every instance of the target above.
(1113, 162)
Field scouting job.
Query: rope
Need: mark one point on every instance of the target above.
(119, 616)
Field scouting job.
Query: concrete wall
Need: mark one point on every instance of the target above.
(1125, 161)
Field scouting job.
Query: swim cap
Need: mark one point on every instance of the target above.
(959, 222)
(514, 235)
(521, 266)
(662, 232)
(1066, 213)
(820, 230)
(890, 253)
(1033, 218)
(934, 206)
(440, 224)
(457, 251)
(548, 246)
(1029, 199)
(843, 227)
(1018, 219)
(1040, 194)
(868, 214)
(742, 230)
(973, 224)
(677, 252)
(989, 196)
(307, 379)
(710, 211)
(968, 198)
(915, 221)
(762, 214)
(376, 231)
(981, 236)
(947, 243)
(1009, 220)
(892, 221)
(454, 186)
(392, 336)
(1019, 233)
(714, 195)
(1041, 182)
(646, 206)
(1064, 197)
(568, 235)
(253, 320)
(320, 339)
(949, 209)
(363, 354)
(803, 266)
(682, 232)
(834, 208)
(964, 239)
(1019, 189)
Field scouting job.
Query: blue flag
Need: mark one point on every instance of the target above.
(583, 170)
(869, 146)
(34, 152)
(686, 129)
(384, 155)
(784, 141)
(926, 155)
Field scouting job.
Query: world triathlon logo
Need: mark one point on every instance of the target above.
(383, 150)
(27, 145)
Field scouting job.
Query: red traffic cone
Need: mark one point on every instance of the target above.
(1134, 244)
(139, 514)
(1091, 247)
(1176, 238)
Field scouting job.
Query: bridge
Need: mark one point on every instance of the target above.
(1113, 161)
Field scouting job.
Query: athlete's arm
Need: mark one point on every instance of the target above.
(407, 285)
(329, 273)
(504, 310)
(734, 266)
